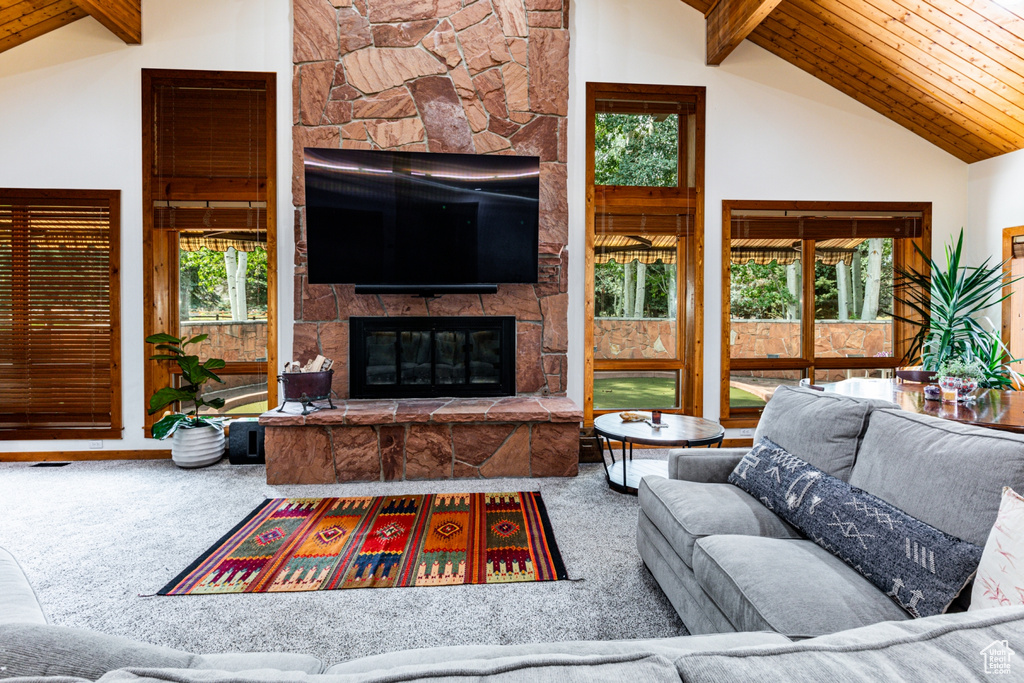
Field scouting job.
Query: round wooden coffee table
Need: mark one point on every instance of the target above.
(683, 431)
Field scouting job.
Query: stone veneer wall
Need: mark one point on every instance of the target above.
(232, 340)
(484, 77)
(832, 338)
(634, 338)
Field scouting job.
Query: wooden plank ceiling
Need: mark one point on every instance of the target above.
(23, 20)
(950, 71)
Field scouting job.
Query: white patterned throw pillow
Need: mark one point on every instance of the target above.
(1000, 579)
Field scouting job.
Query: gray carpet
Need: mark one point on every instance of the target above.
(92, 536)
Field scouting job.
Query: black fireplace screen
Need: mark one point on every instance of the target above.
(422, 357)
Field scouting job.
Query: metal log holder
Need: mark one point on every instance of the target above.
(305, 388)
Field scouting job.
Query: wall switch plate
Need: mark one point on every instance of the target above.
(746, 432)
(96, 443)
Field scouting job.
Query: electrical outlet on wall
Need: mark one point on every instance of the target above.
(96, 443)
(746, 432)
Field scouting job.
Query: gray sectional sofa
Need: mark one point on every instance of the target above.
(728, 564)
(948, 647)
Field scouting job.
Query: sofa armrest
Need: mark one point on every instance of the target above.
(18, 602)
(706, 465)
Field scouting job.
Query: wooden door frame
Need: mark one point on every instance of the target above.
(159, 252)
(1008, 235)
(689, 359)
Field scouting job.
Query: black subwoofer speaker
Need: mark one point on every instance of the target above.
(245, 442)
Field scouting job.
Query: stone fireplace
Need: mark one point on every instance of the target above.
(483, 77)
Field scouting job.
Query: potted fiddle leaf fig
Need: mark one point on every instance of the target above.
(198, 440)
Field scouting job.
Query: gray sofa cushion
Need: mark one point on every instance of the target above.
(947, 474)
(822, 428)
(678, 582)
(666, 647)
(18, 603)
(685, 511)
(920, 567)
(546, 668)
(791, 586)
(37, 650)
(943, 648)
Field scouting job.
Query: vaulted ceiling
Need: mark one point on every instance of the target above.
(950, 71)
(23, 20)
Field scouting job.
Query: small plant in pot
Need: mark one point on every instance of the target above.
(198, 440)
(959, 377)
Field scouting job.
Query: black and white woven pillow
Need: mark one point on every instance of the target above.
(920, 567)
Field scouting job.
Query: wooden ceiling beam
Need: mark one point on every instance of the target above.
(823, 58)
(729, 22)
(122, 17)
(22, 21)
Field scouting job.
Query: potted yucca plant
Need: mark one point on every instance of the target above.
(948, 302)
(198, 440)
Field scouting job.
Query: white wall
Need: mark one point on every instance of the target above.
(995, 201)
(70, 117)
(773, 132)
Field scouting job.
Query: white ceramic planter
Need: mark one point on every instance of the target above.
(197, 447)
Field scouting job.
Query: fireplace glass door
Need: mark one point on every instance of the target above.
(411, 357)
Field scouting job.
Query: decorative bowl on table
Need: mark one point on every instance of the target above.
(965, 392)
(962, 388)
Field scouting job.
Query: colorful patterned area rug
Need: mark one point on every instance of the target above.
(309, 544)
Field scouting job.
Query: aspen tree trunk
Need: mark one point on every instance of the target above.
(858, 283)
(793, 285)
(641, 285)
(843, 285)
(240, 276)
(672, 294)
(185, 295)
(628, 291)
(873, 285)
(231, 265)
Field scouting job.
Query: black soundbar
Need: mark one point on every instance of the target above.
(427, 290)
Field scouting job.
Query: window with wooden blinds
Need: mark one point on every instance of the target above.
(59, 314)
(209, 228)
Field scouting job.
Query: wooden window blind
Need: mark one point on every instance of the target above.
(59, 314)
(209, 143)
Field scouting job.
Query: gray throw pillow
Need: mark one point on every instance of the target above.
(920, 567)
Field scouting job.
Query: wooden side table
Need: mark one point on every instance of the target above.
(683, 431)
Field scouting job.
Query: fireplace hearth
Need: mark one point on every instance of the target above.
(412, 357)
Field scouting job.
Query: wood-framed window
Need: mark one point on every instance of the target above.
(60, 328)
(209, 226)
(645, 246)
(808, 293)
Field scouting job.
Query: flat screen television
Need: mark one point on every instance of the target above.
(416, 221)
